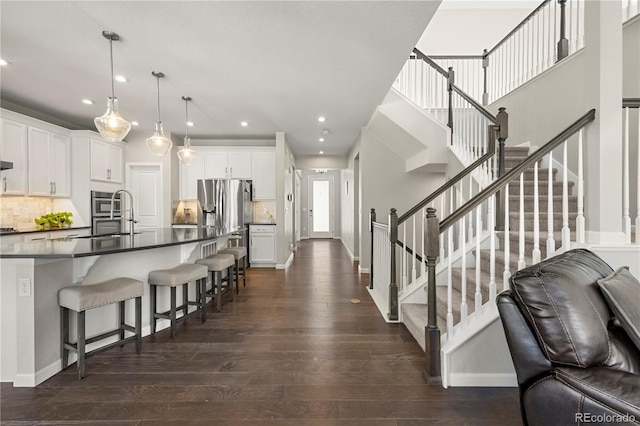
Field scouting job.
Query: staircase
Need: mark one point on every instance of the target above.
(414, 315)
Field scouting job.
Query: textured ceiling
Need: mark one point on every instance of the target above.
(277, 65)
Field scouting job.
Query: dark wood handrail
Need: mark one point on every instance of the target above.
(516, 171)
(475, 104)
(408, 250)
(631, 103)
(430, 61)
(520, 25)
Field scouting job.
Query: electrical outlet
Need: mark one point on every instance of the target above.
(24, 287)
(16, 211)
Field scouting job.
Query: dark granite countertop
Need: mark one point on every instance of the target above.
(34, 230)
(99, 245)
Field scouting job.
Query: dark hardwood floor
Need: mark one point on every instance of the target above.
(291, 350)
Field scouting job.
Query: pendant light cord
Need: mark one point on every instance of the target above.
(186, 109)
(113, 96)
(158, 86)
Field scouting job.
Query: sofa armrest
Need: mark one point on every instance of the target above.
(528, 359)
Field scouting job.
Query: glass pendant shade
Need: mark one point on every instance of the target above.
(159, 144)
(111, 125)
(187, 154)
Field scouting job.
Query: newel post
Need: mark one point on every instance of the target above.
(393, 286)
(372, 218)
(432, 332)
(450, 82)
(563, 43)
(502, 132)
(485, 66)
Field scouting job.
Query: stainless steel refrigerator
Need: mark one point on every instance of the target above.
(225, 203)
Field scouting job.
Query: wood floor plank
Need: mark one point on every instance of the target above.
(291, 350)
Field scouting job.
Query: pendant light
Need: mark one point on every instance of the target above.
(159, 144)
(111, 125)
(187, 154)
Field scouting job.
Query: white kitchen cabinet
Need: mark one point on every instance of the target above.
(221, 164)
(105, 161)
(49, 163)
(262, 240)
(13, 148)
(189, 175)
(263, 174)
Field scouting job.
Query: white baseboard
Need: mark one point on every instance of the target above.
(304, 238)
(286, 264)
(362, 270)
(483, 379)
(351, 256)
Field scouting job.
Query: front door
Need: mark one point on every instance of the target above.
(321, 206)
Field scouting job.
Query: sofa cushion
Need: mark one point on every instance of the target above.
(564, 306)
(622, 292)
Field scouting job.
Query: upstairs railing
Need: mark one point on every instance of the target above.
(550, 33)
(433, 89)
(631, 166)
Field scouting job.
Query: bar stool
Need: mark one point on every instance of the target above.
(80, 298)
(180, 275)
(216, 264)
(238, 253)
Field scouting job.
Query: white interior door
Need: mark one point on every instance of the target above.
(320, 206)
(297, 206)
(144, 181)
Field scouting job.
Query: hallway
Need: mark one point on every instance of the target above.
(291, 350)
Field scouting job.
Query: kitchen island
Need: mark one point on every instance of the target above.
(32, 273)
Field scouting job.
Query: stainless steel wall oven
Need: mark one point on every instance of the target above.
(101, 222)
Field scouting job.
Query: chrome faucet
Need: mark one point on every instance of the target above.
(132, 217)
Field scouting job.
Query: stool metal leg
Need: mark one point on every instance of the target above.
(201, 288)
(219, 290)
(139, 324)
(172, 313)
(152, 303)
(64, 336)
(121, 325)
(185, 297)
(81, 344)
(230, 276)
(244, 271)
(237, 263)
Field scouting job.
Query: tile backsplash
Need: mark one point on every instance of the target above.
(19, 212)
(264, 211)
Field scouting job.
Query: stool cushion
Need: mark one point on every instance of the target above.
(179, 275)
(237, 252)
(82, 297)
(218, 262)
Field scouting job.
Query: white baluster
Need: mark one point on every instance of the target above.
(423, 264)
(404, 255)
(492, 249)
(580, 225)
(536, 255)
(551, 243)
(638, 181)
(478, 294)
(626, 161)
(414, 247)
(566, 232)
(507, 243)
(450, 284)
(521, 262)
(470, 230)
(463, 289)
(442, 214)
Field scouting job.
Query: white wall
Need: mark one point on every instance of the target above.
(285, 175)
(337, 202)
(321, 162)
(347, 210)
(386, 184)
(631, 58)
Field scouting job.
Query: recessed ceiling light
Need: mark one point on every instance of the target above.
(244, 123)
(190, 123)
(87, 101)
(321, 152)
(120, 78)
(321, 140)
(135, 123)
(3, 62)
(322, 119)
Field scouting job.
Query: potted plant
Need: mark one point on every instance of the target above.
(54, 220)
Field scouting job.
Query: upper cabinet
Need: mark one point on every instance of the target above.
(189, 175)
(13, 148)
(223, 164)
(263, 174)
(49, 163)
(105, 161)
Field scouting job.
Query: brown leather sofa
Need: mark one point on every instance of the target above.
(575, 365)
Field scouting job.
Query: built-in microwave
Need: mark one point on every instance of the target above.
(101, 204)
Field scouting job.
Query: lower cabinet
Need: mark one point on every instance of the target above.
(262, 245)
